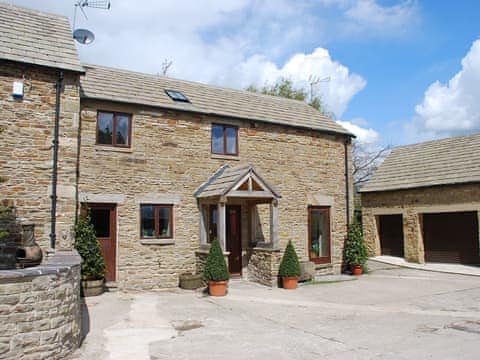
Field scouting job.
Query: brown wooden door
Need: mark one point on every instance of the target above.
(391, 235)
(234, 239)
(104, 221)
(451, 237)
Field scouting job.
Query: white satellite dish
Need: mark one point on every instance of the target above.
(83, 36)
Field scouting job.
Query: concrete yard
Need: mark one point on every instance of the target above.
(391, 313)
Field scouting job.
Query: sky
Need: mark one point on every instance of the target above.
(393, 72)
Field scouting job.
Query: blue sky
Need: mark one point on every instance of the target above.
(400, 71)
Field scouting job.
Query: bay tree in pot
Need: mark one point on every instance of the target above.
(356, 253)
(216, 271)
(289, 268)
(93, 263)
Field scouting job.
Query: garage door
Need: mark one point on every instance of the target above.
(451, 237)
(391, 235)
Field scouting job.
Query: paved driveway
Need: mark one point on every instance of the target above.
(391, 313)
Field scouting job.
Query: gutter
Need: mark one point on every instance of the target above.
(53, 212)
(347, 142)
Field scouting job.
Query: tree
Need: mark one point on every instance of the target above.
(215, 266)
(284, 88)
(365, 161)
(87, 245)
(290, 266)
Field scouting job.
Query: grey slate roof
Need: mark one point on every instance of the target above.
(440, 162)
(225, 178)
(35, 37)
(132, 87)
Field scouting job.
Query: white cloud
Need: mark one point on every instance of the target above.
(368, 17)
(452, 108)
(336, 93)
(365, 136)
(367, 14)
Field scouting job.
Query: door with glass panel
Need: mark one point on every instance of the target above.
(319, 249)
(103, 218)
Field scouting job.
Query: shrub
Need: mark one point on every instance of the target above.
(215, 267)
(356, 252)
(87, 245)
(289, 266)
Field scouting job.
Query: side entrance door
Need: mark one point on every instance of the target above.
(234, 239)
(104, 221)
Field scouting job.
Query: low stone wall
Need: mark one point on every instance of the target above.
(263, 265)
(40, 309)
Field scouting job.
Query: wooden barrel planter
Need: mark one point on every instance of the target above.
(191, 281)
(92, 287)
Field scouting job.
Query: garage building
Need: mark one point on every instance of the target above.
(423, 202)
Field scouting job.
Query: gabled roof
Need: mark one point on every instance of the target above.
(226, 181)
(440, 162)
(35, 37)
(136, 88)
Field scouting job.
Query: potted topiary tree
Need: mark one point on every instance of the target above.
(289, 268)
(216, 272)
(356, 253)
(93, 264)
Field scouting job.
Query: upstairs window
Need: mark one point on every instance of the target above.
(224, 139)
(114, 129)
(176, 96)
(156, 221)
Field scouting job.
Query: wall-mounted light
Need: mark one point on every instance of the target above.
(17, 91)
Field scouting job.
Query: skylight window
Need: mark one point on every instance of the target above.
(176, 96)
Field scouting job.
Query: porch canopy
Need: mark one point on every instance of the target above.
(241, 182)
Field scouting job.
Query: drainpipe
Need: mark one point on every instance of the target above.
(347, 178)
(53, 221)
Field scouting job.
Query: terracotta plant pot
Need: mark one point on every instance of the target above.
(217, 288)
(290, 282)
(357, 270)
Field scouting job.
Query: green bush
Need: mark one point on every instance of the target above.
(215, 267)
(87, 245)
(356, 252)
(289, 266)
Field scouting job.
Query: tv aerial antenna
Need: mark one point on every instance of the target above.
(314, 80)
(84, 36)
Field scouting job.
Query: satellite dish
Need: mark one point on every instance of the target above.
(83, 36)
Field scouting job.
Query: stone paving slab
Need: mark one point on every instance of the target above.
(391, 313)
(438, 267)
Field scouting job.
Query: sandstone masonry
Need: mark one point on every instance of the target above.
(40, 309)
(26, 148)
(411, 204)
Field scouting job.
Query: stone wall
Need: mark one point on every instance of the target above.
(40, 309)
(263, 265)
(26, 133)
(411, 204)
(171, 156)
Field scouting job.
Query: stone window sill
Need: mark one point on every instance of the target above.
(157, 241)
(225, 157)
(113, 149)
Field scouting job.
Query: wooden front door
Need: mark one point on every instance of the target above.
(234, 239)
(104, 221)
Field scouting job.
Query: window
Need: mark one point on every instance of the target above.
(319, 234)
(114, 129)
(212, 222)
(176, 96)
(224, 139)
(156, 221)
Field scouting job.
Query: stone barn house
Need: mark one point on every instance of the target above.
(165, 165)
(423, 202)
